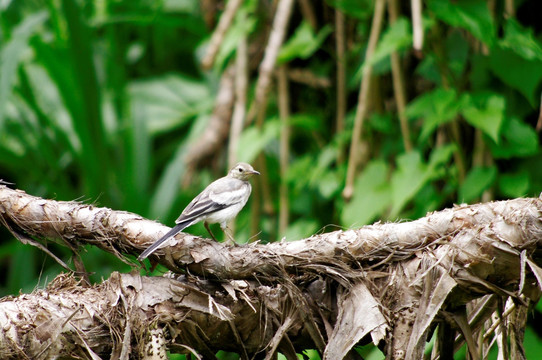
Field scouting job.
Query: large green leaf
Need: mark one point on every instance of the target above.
(397, 37)
(244, 24)
(407, 180)
(317, 173)
(514, 184)
(457, 50)
(12, 51)
(532, 343)
(522, 74)
(168, 185)
(478, 180)
(412, 174)
(47, 102)
(360, 9)
(300, 229)
(254, 140)
(485, 111)
(521, 40)
(472, 15)
(436, 107)
(517, 140)
(170, 100)
(137, 160)
(303, 43)
(371, 198)
(438, 159)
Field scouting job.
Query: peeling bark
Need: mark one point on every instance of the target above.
(391, 284)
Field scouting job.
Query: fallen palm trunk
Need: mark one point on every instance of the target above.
(392, 283)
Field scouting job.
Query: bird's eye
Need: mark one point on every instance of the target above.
(240, 169)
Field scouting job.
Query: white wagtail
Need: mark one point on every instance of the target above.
(219, 202)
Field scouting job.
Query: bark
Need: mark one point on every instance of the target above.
(392, 284)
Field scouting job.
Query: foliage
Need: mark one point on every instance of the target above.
(100, 101)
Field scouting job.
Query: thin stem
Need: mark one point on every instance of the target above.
(276, 38)
(284, 111)
(239, 108)
(259, 105)
(362, 107)
(417, 26)
(219, 33)
(509, 9)
(308, 12)
(341, 78)
(398, 84)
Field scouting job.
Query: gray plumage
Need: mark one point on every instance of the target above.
(219, 203)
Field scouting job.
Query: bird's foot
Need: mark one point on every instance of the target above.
(209, 231)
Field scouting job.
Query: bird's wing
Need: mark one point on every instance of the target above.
(218, 195)
(200, 206)
(232, 193)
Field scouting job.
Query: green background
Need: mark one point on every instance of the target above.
(100, 100)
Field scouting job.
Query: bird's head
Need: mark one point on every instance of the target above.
(242, 171)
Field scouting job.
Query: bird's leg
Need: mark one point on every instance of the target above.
(209, 230)
(229, 234)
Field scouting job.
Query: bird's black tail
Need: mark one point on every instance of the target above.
(177, 228)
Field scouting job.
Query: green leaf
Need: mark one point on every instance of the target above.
(485, 111)
(49, 102)
(436, 107)
(521, 40)
(525, 77)
(480, 74)
(321, 177)
(407, 180)
(22, 269)
(439, 158)
(298, 170)
(88, 122)
(306, 122)
(429, 69)
(170, 100)
(457, 51)
(429, 198)
(181, 6)
(478, 180)
(315, 172)
(360, 9)
(517, 140)
(303, 43)
(137, 160)
(12, 51)
(300, 229)
(323, 162)
(371, 195)
(329, 184)
(413, 174)
(167, 189)
(397, 37)
(441, 155)
(56, 63)
(243, 25)
(472, 15)
(254, 140)
(532, 343)
(514, 185)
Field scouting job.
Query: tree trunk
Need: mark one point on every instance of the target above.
(391, 284)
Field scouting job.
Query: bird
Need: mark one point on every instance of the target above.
(219, 202)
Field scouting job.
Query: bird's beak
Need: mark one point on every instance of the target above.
(254, 172)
